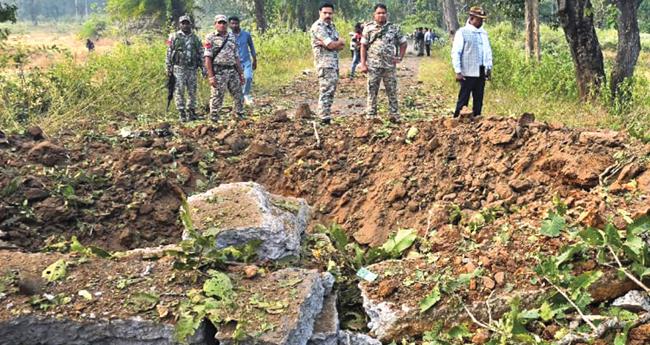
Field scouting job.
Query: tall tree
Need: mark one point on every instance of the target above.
(260, 16)
(451, 16)
(533, 50)
(577, 21)
(629, 45)
(7, 14)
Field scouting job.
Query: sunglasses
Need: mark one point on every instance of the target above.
(222, 22)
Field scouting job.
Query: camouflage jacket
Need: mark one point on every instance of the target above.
(229, 54)
(183, 50)
(326, 34)
(382, 42)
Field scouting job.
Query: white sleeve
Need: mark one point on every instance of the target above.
(457, 51)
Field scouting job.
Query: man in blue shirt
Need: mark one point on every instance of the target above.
(246, 51)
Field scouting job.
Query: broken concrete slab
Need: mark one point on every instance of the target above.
(350, 338)
(33, 329)
(326, 327)
(277, 309)
(635, 301)
(239, 213)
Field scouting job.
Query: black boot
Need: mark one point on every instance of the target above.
(182, 116)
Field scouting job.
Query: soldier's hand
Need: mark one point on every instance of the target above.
(460, 77)
(213, 81)
(254, 64)
(396, 60)
(363, 68)
(488, 75)
(241, 78)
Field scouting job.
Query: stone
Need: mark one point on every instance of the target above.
(262, 149)
(500, 278)
(251, 271)
(36, 133)
(296, 326)
(326, 326)
(36, 194)
(33, 329)
(481, 337)
(520, 185)
(140, 156)
(303, 112)
(489, 283)
(47, 153)
(639, 335)
(350, 338)
(397, 193)
(362, 132)
(280, 116)
(242, 212)
(635, 301)
(606, 138)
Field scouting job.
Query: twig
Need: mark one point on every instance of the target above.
(627, 274)
(489, 309)
(582, 316)
(479, 323)
(316, 134)
(603, 328)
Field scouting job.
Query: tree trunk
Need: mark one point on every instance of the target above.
(260, 16)
(577, 21)
(76, 9)
(33, 12)
(451, 17)
(532, 30)
(302, 20)
(629, 45)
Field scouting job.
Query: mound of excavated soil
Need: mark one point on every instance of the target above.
(121, 193)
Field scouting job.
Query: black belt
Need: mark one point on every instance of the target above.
(225, 66)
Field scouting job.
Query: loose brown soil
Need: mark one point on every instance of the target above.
(121, 192)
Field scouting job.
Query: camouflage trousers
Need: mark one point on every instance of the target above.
(389, 76)
(185, 80)
(328, 78)
(227, 79)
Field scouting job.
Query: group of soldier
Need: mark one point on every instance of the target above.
(228, 59)
(378, 58)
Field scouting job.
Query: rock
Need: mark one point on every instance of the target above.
(280, 116)
(47, 153)
(387, 287)
(36, 194)
(635, 301)
(245, 211)
(340, 185)
(7, 245)
(36, 133)
(606, 138)
(326, 326)
(643, 182)
(30, 285)
(303, 112)
(236, 143)
(140, 156)
(53, 210)
(163, 130)
(295, 327)
(520, 185)
(639, 335)
(397, 193)
(481, 337)
(350, 338)
(413, 206)
(362, 132)
(503, 134)
(489, 283)
(61, 331)
(251, 271)
(259, 148)
(500, 278)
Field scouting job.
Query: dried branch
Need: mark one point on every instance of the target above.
(316, 134)
(575, 306)
(627, 274)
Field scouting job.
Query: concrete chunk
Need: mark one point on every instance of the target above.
(277, 309)
(242, 212)
(326, 327)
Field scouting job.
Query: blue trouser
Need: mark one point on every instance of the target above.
(356, 59)
(248, 77)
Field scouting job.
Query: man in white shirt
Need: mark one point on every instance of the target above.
(471, 57)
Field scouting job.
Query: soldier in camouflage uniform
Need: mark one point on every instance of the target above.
(224, 68)
(184, 53)
(325, 43)
(378, 44)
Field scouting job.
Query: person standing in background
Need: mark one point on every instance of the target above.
(246, 54)
(355, 47)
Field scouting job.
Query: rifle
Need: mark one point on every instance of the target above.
(171, 85)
